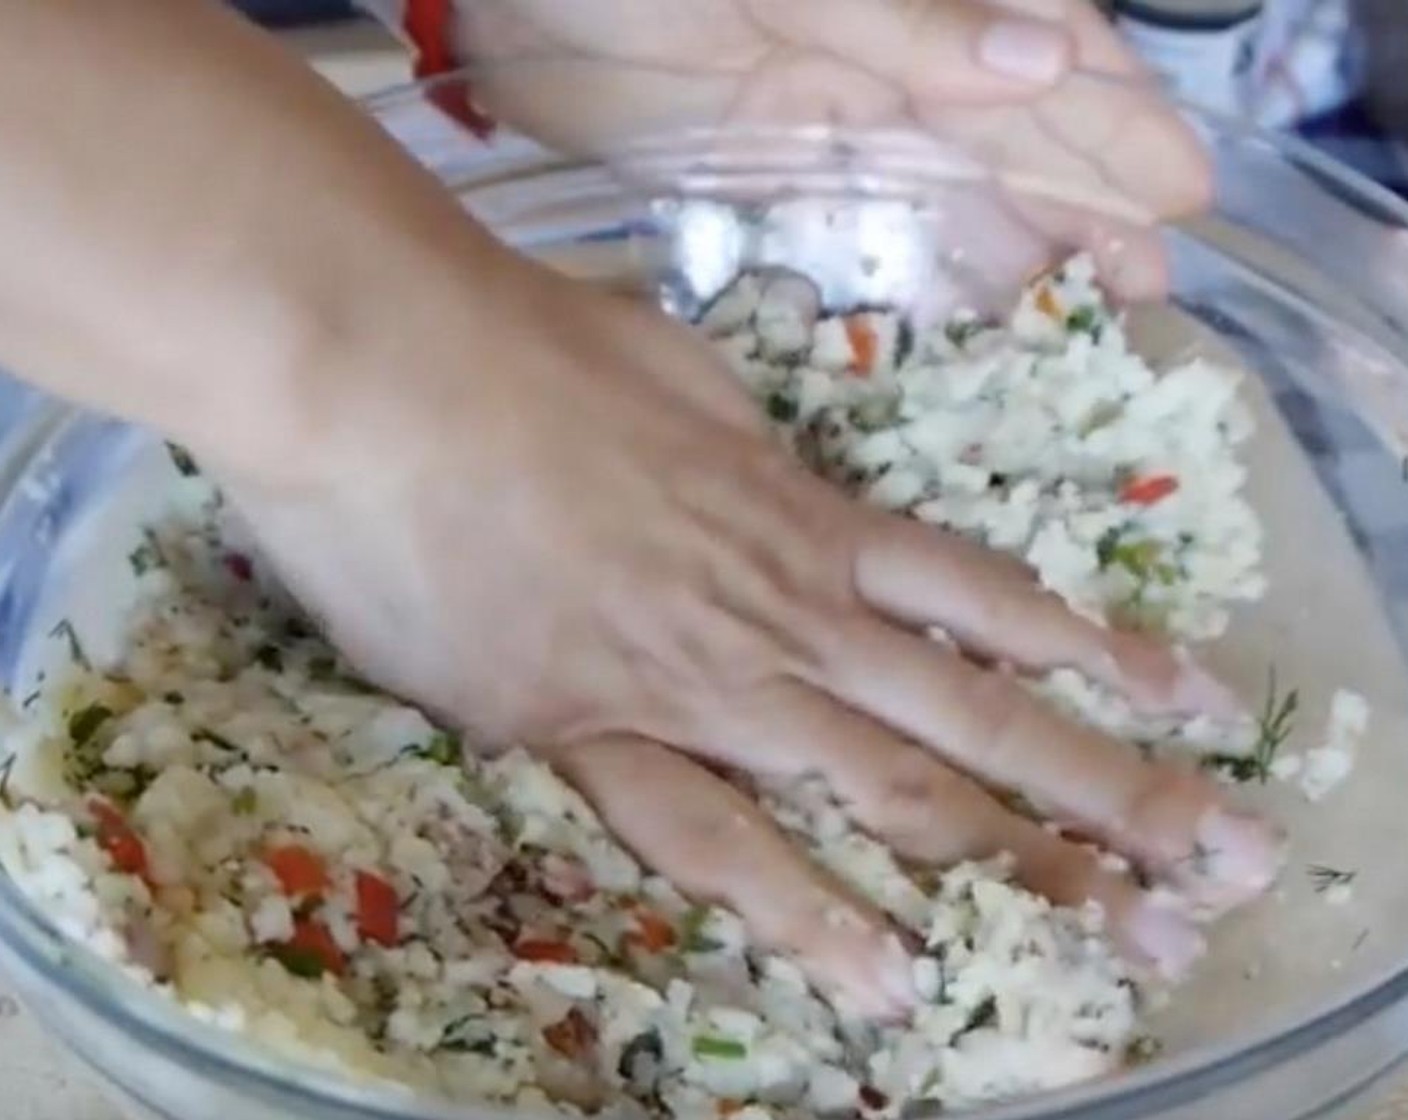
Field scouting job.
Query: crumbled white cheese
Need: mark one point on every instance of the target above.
(1326, 766)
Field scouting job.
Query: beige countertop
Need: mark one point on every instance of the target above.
(38, 1080)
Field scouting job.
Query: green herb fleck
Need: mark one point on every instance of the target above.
(639, 1064)
(960, 331)
(1084, 320)
(175, 699)
(7, 770)
(1323, 878)
(484, 1046)
(444, 748)
(245, 802)
(271, 657)
(1141, 559)
(782, 408)
(296, 630)
(984, 1015)
(147, 555)
(692, 937)
(322, 668)
(712, 1046)
(122, 784)
(84, 723)
(181, 459)
(299, 961)
(205, 735)
(1143, 1049)
(64, 629)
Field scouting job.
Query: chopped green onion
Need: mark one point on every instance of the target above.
(245, 802)
(712, 1046)
(270, 657)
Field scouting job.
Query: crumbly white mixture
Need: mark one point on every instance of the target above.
(1042, 436)
(230, 817)
(1320, 769)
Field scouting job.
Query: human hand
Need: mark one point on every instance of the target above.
(587, 543)
(1003, 90)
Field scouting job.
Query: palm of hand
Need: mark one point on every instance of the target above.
(1080, 162)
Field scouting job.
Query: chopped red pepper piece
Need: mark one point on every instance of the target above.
(652, 933)
(311, 950)
(377, 909)
(240, 566)
(572, 1036)
(1149, 489)
(544, 950)
(299, 870)
(119, 839)
(865, 345)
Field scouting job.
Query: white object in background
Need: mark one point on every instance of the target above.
(1203, 49)
(360, 57)
(1309, 60)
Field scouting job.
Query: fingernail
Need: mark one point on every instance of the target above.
(896, 975)
(1028, 50)
(1165, 936)
(1244, 852)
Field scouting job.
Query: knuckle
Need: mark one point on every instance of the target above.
(1000, 716)
(912, 794)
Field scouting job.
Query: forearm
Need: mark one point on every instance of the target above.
(194, 223)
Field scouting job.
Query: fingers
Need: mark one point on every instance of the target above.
(716, 844)
(1116, 113)
(993, 605)
(929, 813)
(1170, 820)
(958, 51)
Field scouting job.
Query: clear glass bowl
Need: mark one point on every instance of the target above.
(1299, 271)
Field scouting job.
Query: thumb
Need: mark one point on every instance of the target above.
(957, 51)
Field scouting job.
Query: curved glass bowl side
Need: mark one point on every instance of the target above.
(163, 1058)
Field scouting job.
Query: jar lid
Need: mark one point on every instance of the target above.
(1189, 15)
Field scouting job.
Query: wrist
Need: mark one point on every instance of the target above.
(364, 363)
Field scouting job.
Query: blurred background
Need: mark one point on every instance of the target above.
(1331, 70)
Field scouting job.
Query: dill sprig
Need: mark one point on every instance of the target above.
(1274, 727)
(1323, 878)
(64, 629)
